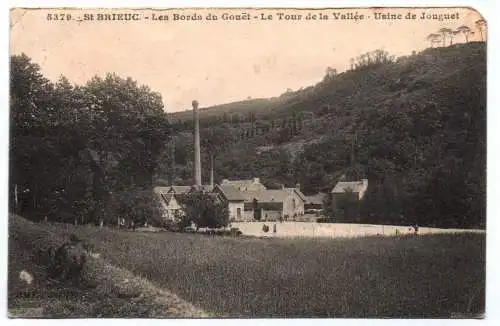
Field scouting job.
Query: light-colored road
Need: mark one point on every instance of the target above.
(333, 230)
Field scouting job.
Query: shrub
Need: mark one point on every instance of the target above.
(206, 210)
(135, 206)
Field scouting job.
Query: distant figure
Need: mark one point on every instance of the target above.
(397, 232)
(274, 228)
(415, 229)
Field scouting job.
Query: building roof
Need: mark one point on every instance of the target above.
(165, 194)
(273, 195)
(179, 189)
(247, 190)
(231, 193)
(161, 190)
(354, 186)
(266, 196)
(299, 193)
(250, 195)
(316, 199)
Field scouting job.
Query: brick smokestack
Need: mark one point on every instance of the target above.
(197, 157)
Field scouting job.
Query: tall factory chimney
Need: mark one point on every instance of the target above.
(197, 156)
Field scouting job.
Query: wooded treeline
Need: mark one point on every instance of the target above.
(82, 153)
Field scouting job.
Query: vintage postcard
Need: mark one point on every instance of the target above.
(247, 163)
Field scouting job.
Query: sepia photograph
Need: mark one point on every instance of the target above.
(247, 163)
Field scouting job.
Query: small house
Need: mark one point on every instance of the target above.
(355, 190)
(250, 200)
(233, 199)
(172, 207)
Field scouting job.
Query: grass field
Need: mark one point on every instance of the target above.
(411, 277)
(109, 291)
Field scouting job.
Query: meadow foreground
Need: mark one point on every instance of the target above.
(411, 277)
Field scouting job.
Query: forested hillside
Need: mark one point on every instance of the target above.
(414, 126)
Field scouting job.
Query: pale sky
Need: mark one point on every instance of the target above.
(222, 61)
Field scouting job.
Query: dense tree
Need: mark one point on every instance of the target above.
(135, 207)
(445, 33)
(72, 146)
(206, 210)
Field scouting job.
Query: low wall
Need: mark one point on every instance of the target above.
(313, 229)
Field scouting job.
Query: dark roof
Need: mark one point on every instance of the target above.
(271, 206)
(277, 206)
(231, 193)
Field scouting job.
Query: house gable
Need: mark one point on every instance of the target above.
(356, 187)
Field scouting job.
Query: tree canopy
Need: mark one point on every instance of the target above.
(72, 146)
